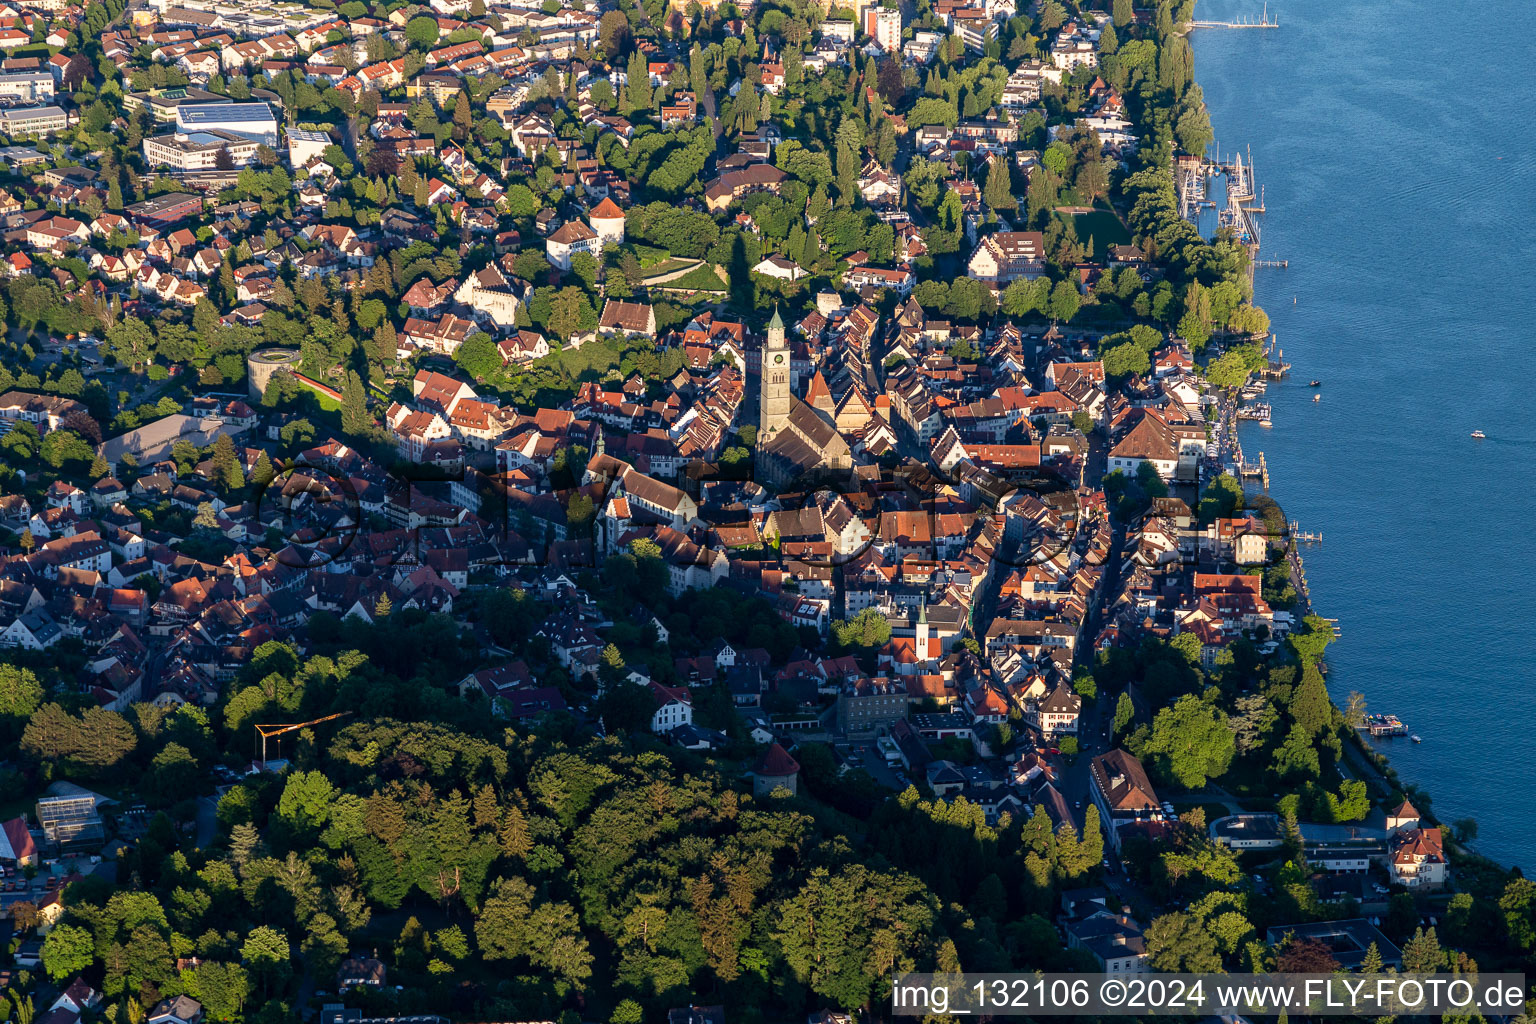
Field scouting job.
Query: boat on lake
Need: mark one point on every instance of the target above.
(1315, 384)
(1415, 738)
(1479, 434)
(1317, 398)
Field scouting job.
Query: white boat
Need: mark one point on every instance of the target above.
(1479, 434)
(1415, 738)
(1265, 423)
(1317, 398)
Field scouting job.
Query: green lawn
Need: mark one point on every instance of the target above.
(649, 256)
(1212, 810)
(1103, 227)
(700, 278)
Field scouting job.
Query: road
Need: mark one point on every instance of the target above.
(207, 821)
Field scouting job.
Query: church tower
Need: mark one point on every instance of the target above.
(773, 381)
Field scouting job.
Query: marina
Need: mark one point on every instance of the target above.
(1334, 457)
(1263, 21)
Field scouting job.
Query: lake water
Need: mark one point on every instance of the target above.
(1399, 178)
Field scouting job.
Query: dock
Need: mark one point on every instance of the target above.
(1244, 201)
(1276, 368)
(1302, 536)
(1385, 725)
(1278, 264)
(1257, 411)
(1263, 22)
(1259, 469)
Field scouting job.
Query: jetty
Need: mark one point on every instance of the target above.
(1280, 264)
(1276, 367)
(1259, 469)
(1302, 536)
(1257, 411)
(1264, 21)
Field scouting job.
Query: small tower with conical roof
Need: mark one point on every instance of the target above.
(773, 381)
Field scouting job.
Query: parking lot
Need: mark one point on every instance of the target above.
(20, 889)
(867, 757)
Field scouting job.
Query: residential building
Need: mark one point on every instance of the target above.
(883, 25)
(1122, 792)
(1008, 256)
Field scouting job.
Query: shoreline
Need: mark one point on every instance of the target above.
(1386, 776)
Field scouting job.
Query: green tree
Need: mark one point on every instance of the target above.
(1127, 360)
(267, 952)
(1192, 742)
(1372, 962)
(868, 629)
(1065, 301)
(999, 189)
(1230, 370)
(67, 950)
(227, 471)
(478, 356)
(222, 988)
(1310, 707)
(1423, 954)
(1125, 711)
(1352, 802)
(1181, 942)
(1188, 646)
(639, 83)
(20, 692)
(568, 309)
(843, 930)
(354, 404)
(1517, 904)
(306, 801)
(422, 32)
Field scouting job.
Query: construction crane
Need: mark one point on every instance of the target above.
(267, 732)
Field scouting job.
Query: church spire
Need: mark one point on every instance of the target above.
(774, 397)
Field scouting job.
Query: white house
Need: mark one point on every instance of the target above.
(674, 707)
(569, 239)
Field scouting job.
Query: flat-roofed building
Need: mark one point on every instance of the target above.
(163, 211)
(304, 146)
(21, 121)
(253, 120)
(199, 151)
(27, 86)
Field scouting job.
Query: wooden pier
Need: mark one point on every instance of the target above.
(1259, 469)
(1277, 367)
(1301, 536)
(1257, 411)
(1281, 264)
